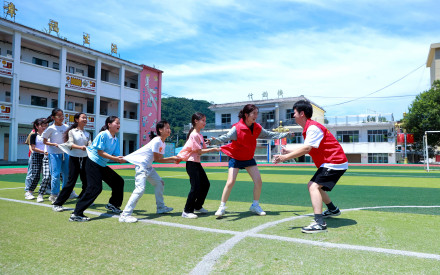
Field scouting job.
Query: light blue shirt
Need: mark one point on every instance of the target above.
(105, 142)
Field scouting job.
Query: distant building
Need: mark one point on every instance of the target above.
(433, 61)
(364, 138)
(40, 71)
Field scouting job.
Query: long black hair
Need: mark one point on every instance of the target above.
(38, 122)
(74, 125)
(159, 125)
(108, 121)
(247, 109)
(50, 118)
(195, 116)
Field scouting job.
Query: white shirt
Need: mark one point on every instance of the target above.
(77, 137)
(144, 156)
(314, 136)
(55, 134)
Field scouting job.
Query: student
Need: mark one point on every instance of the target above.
(143, 159)
(76, 142)
(58, 160)
(329, 158)
(28, 181)
(39, 160)
(105, 147)
(194, 147)
(241, 151)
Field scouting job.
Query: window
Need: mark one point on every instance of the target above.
(38, 101)
(71, 69)
(377, 158)
(226, 118)
(133, 85)
(104, 75)
(377, 135)
(79, 71)
(8, 96)
(56, 65)
(296, 138)
(347, 136)
(132, 115)
(90, 106)
(69, 105)
(268, 117)
(54, 103)
(41, 62)
(103, 108)
(9, 53)
(289, 114)
(78, 107)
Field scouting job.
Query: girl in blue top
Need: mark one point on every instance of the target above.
(105, 147)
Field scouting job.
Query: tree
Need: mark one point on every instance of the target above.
(424, 115)
(178, 111)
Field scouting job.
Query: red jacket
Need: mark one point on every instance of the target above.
(244, 147)
(329, 150)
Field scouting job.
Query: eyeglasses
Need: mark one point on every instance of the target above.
(59, 116)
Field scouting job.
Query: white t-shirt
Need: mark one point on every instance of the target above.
(55, 134)
(144, 156)
(77, 137)
(314, 136)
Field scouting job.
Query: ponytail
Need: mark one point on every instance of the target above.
(38, 122)
(247, 109)
(152, 135)
(195, 116)
(50, 118)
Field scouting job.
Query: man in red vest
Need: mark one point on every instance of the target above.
(329, 158)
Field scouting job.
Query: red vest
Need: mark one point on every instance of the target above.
(329, 150)
(244, 147)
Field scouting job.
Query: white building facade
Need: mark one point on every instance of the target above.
(40, 72)
(364, 138)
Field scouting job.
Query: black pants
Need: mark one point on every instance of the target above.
(77, 166)
(199, 186)
(95, 175)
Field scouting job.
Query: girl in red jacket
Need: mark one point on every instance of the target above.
(241, 150)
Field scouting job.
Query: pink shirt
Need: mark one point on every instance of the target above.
(194, 143)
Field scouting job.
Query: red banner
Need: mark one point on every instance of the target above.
(401, 138)
(283, 141)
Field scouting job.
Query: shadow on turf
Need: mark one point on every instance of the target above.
(234, 216)
(332, 223)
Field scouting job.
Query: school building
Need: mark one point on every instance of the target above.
(364, 138)
(40, 71)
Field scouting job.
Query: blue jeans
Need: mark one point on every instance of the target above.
(28, 181)
(59, 163)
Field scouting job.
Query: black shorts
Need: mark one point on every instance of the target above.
(241, 164)
(327, 177)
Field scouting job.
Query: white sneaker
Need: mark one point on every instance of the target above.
(189, 215)
(201, 211)
(164, 209)
(257, 210)
(40, 198)
(73, 195)
(221, 211)
(53, 198)
(28, 195)
(127, 218)
(57, 208)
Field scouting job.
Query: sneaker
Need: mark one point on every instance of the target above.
(257, 210)
(28, 195)
(73, 195)
(221, 211)
(127, 218)
(75, 218)
(53, 198)
(331, 213)
(40, 198)
(113, 208)
(201, 211)
(314, 227)
(58, 208)
(164, 209)
(189, 215)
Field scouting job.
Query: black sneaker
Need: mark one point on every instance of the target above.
(314, 227)
(331, 213)
(75, 218)
(113, 208)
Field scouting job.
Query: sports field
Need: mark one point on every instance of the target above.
(390, 223)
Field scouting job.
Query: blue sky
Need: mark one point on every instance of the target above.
(330, 51)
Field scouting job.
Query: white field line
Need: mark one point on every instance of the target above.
(22, 187)
(208, 261)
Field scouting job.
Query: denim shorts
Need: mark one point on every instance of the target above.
(241, 164)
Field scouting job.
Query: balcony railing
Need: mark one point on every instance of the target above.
(80, 83)
(68, 119)
(6, 66)
(5, 111)
(359, 119)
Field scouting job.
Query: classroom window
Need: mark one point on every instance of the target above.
(104, 75)
(40, 62)
(78, 107)
(69, 105)
(377, 158)
(377, 135)
(347, 136)
(54, 103)
(38, 101)
(56, 65)
(79, 71)
(289, 114)
(226, 118)
(71, 69)
(268, 117)
(296, 138)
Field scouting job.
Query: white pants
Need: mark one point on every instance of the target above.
(142, 175)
